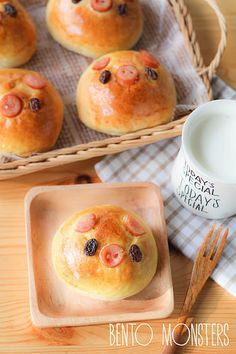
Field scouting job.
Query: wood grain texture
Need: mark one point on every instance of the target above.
(205, 262)
(53, 302)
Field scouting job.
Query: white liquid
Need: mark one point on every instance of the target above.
(213, 145)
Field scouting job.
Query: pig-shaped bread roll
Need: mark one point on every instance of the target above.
(105, 252)
(95, 27)
(17, 34)
(126, 91)
(31, 112)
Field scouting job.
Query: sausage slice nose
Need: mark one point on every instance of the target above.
(11, 105)
(112, 255)
(127, 75)
(101, 5)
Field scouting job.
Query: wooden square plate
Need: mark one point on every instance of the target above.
(52, 302)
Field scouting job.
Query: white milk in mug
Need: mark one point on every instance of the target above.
(204, 172)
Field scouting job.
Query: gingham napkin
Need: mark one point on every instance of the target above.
(186, 231)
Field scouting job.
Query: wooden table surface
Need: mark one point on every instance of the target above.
(16, 331)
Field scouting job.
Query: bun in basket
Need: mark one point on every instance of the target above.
(95, 27)
(105, 252)
(125, 91)
(31, 112)
(17, 34)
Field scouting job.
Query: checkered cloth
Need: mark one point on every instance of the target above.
(186, 231)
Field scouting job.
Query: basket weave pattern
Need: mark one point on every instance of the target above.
(147, 136)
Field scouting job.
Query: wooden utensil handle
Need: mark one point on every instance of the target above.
(178, 331)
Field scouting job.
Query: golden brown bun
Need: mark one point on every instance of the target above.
(36, 127)
(87, 273)
(78, 27)
(117, 109)
(17, 34)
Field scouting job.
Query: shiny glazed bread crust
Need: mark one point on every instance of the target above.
(29, 132)
(116, 109)
(17, 36)
(81, 29)
(87, 274)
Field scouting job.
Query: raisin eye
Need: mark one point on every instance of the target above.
(90, 247)
(10, 10)
(105, 77)
(152, 74)
(122, 9)
(135, 253)
(35, 104)
(75, 1)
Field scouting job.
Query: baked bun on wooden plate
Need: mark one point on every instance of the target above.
(31, 112)
(125, 91)
(105, 252)
(17, 34)
(95, 27)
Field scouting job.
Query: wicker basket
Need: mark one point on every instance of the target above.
(147, 136)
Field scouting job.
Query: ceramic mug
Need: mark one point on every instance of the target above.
(204, 172)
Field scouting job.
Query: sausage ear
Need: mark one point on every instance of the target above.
(133, 226)
(148, 59)
(101, 64)
(35, 81)
(86, 223)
